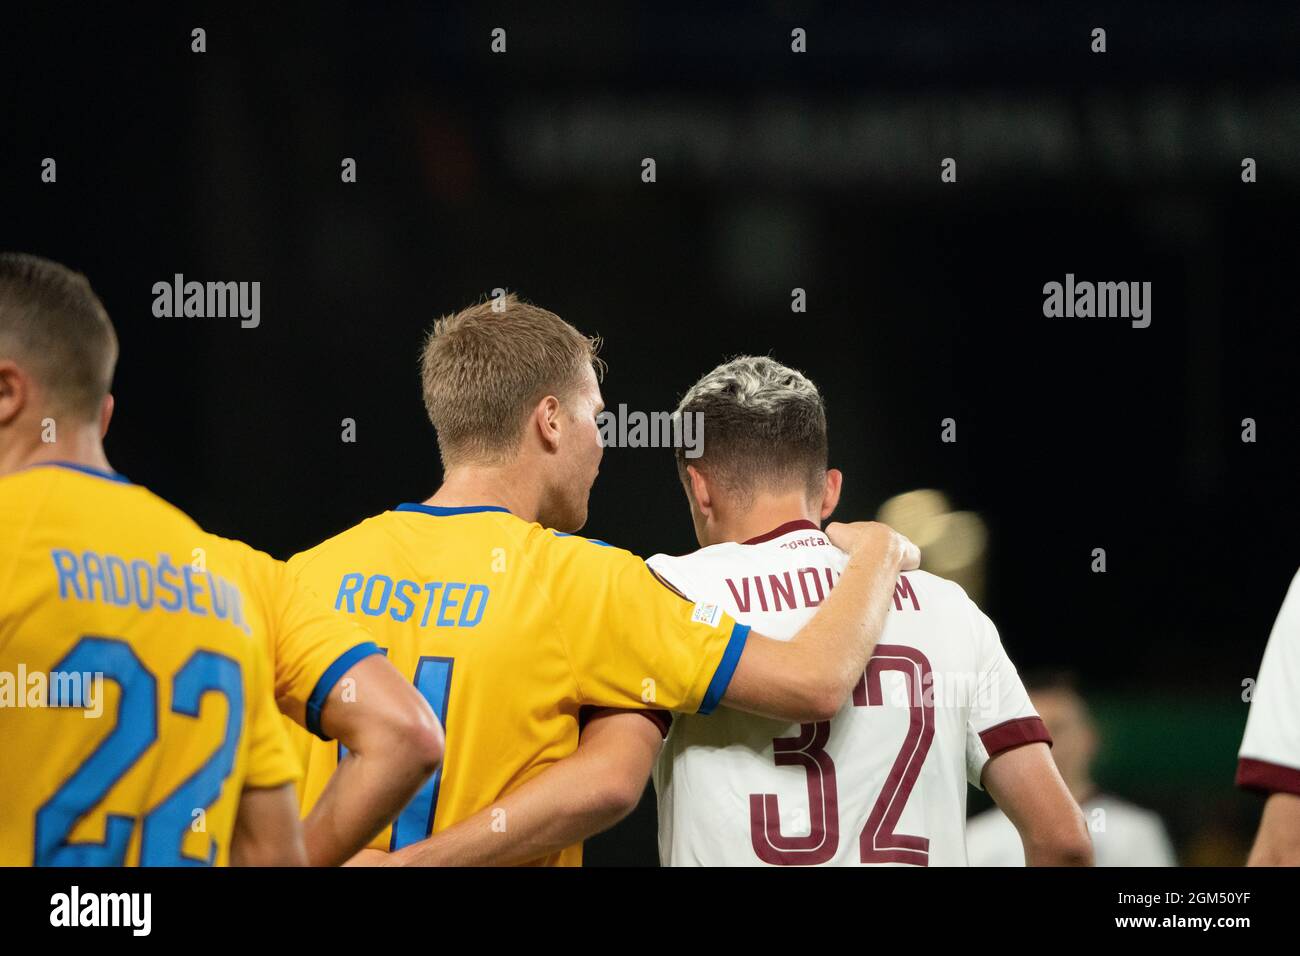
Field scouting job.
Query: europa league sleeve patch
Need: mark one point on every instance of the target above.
(708, 614)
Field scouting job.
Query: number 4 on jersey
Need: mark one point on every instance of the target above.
(415, 822)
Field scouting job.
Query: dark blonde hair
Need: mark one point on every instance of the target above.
(485, 367)
(52, 322)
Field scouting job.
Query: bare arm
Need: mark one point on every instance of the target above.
(394, 744)
(267, 832)
(1278, 840)
(1028, 788)
(585, 793)
(809, 677)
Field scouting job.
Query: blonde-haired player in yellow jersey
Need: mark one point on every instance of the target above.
(512, 627)
(141, 658)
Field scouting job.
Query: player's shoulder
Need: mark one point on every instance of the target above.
(566, 566)
(548, 544)
(727, 552)
(347, 543)
(685, 571)
(938, 612)
(1293, 590)
(91, 497)
(935, 590)
(566, 539)
(252, 561)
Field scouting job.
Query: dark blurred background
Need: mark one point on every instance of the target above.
(775, 170)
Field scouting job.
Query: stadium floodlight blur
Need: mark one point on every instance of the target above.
(954, 544)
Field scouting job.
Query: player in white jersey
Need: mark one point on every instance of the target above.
(883, 781)
(1123, 834)
(1269, 761)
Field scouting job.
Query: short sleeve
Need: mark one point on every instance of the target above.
(1001, 715)
(1269, 760)
(271, 760)
(632, 641)
(660, 719)
(313, 645)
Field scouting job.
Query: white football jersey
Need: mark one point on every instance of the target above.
(1122, 834)
(884, 782)
(1269, 760)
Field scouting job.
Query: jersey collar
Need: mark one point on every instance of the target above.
(85, 470)
(438, 512)
(802, 524)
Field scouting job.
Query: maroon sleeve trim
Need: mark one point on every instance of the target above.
(1265, 777)
(660, 718)
(1015, 733)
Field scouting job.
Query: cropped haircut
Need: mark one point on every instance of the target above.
(764, 428)
(53, 324)
(485, 367)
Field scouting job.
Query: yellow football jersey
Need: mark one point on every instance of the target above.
(136, 693)
(508, 629)
(311, 647)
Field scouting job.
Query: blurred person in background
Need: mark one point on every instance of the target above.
(1122, 834)
(1269, 761)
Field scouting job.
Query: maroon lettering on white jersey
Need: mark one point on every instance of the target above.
(884, 781)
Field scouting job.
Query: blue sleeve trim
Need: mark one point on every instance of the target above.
(726, 668)
(316, 703)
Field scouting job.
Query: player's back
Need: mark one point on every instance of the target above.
(884, 782)
(135, 696)
(508, 629)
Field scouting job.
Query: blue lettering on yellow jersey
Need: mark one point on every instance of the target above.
(101, 616)
(143, 584)
(559, 623)
(374, 595)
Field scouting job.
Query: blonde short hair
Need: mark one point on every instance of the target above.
(485, 367)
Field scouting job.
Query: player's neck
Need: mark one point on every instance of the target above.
(765, 513)
(75, 445)
(500, 486)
